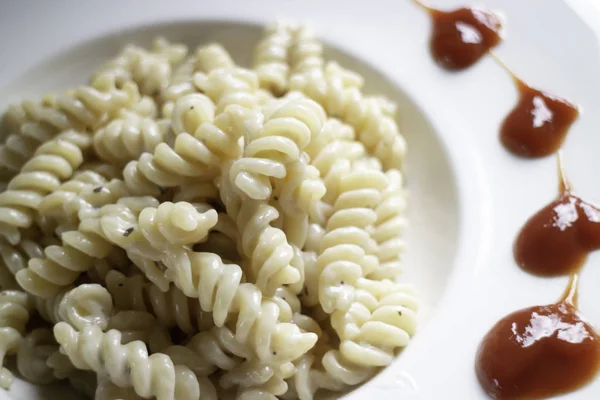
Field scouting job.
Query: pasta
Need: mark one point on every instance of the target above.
(338, 91)
(183, 227)
(387, 229)
(34, 350)
(171, 308)
(80, 249)
(80, 108)
(14, 315)
(227, 86)
(306, 52)
(126, 139)
(54, 161)
(270, 58)
(127, 365)
(151, 71)
(269, 147)
(175, 224)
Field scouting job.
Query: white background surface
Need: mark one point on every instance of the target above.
(547, 44)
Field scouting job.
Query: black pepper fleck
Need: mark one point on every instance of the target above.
(400, 313)
(341, 282)
(128, 232)
(98, 189)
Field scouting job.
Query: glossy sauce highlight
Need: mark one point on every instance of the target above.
(538, 352)
(538, 124)
(558, 238)
(461, 37)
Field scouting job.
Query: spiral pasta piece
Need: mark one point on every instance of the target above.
(174, 53)
(218, 288)
(333, 154)
(269, 146)
(374, 345)
(212, 57)
(299, 196)
(171, 308)
(182, 269)
(15, 258)
(127, 138)
(34, 351)
(119, 68)
(335, 375)
(266, 247)
(84, 107)
(205, 59)
(223, 238)
(127, 365)
(119, 224)
(227, 86)
(15, 307)
(302, 189)
(254, 379)
(86, 203)
(136, 325)
(55, 161)
(192, 156)
(23, 136)
(78, 253)
(347, 248)
(86, 304)
(338, 91)
(388, 228)
(175, 224)
(270, 57)
(52, 205)
(315, 371)
(150, 70)
(181, 84)
(205, 352)
(306, 52)
(382, 319)
(90, 106)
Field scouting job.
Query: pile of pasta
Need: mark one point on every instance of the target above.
(186, 228)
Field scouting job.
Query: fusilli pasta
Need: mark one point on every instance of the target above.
(15, 307)
(270, 58)
(187, 228)
(127, 365)
(54, 161)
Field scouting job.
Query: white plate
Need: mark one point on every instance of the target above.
(469, 197)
